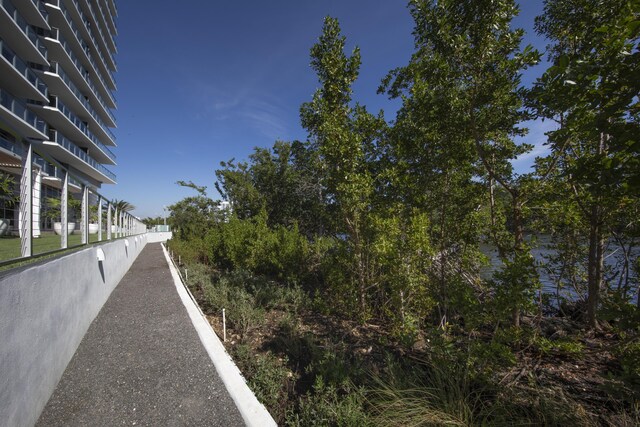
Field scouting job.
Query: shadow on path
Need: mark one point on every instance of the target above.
(141, 361)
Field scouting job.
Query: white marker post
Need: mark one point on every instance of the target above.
(224, 326)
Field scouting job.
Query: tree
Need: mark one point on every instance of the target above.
(122, 205)
(192, 216)
(462, 107)
(342, 132)
(591, 90)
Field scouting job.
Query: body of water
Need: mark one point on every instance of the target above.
(542, 250)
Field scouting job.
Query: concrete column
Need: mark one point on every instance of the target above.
(99, 218)
(109, 221)
(25, 222)
(117, 222)
(64, 210)
(85, 215)
(36, 200)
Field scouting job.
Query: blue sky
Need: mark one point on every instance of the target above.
(204, 81)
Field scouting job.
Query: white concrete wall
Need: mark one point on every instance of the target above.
(45, 310)
(161, 236)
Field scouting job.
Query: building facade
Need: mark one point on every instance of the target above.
(56, 105)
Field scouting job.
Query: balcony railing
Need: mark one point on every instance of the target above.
(85, 74)
(23, 68)
(56, 68)
(20, 109)
(91, 36)
(103, 21)
(12, 146)
(82, 126)
(97, 26)
(28, 31)
(83, 45)
(80, 153)
(40, 6)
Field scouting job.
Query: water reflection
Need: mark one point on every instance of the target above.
(543, 250)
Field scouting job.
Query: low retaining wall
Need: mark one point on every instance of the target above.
(45, 310)
(159, 236)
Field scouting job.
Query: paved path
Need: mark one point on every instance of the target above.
(141, 362)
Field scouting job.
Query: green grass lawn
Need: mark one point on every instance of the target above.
(10, 245)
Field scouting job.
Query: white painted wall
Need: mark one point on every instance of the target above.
(157, 237)
(45, 311)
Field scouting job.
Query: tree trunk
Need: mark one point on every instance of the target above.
(595, 267)
(596, 251)
(518, 246)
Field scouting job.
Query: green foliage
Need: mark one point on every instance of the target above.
(267, 377)
(252, 245)
(591, 91)
(628, 355)
(54, 206)
(515, 285)
(330, 405)
(242, 312)
(403, 250)
(7, 188)
(344, 134)
(193, 216)
(384, 221)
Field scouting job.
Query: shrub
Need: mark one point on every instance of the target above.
(267, 376)
(329, 405)
(249, 244)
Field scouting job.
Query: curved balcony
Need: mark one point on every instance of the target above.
(65, 53)
(16, 74)
(62, 19)
(20, 35)
(64, 120)
(85, 28)
(34, 12)
(107, 42)
(18, 116)
(62, 85)
(62, 149)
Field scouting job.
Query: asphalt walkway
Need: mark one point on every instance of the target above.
(141, 361)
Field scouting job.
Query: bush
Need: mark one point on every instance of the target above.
(267, 376)
(329, 405)
(249, 244)
(241, 311)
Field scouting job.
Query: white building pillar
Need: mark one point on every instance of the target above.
(37, 198)
(25, 222)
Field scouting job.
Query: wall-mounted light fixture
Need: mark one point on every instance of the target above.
(100, 255)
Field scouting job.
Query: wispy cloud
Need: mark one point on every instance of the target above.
(537, 138)
(242, 106)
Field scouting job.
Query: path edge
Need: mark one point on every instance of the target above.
(253, 412)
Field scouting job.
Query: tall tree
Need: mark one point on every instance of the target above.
(592, 91)
(342, 132)
(464, 103)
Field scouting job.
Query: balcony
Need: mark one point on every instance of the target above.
(63, 53)
(18, 116)
(66, 151)
(64, 88)
(105, 40)
(11, 151)
(104, 53)
(64, 120)
(17, 75)
(62, 19)
(106, 15)
(22, 38)
(34, 12)
(111, 31)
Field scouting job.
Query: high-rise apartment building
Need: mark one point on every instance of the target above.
(56, 97)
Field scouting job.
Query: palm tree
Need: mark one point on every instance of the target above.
(122, 206)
